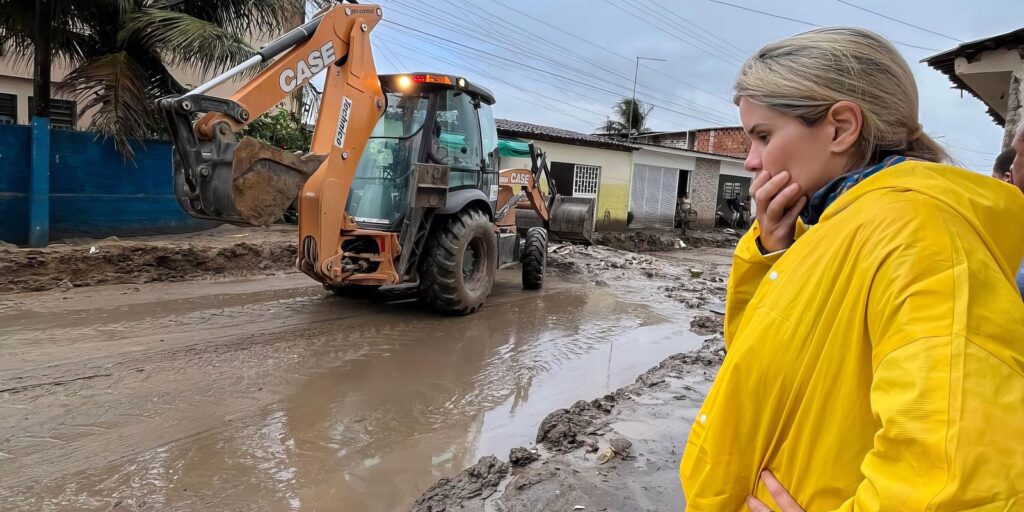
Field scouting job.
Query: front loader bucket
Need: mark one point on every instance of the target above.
(254, 185)
(572, 219)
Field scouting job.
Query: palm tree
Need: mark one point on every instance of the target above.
(630, 118)
(120, 51)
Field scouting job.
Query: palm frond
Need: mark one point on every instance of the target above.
(70, 38)
(116, 89)
(187, 42)
(240, 17)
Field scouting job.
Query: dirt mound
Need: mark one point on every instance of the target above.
(639, 241)
(25, 270)
(564, 430)
(705, 325)
(712, 238)
(475, 482)
(522, 456)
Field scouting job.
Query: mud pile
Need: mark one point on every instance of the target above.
(478, 481)
(708, 324)
(227, 252)
(640, 241)
(661, 241)
(712, 238)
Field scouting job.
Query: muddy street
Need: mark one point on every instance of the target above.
(266, 393)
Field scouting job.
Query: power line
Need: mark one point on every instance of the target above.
(743, 54)
(607, 49)
(890, 18)
(808, 23)
(685, 104)
(534, 68)
(671, 34)
(418, 51)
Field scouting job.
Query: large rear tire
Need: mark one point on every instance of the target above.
(458, 270)
(534, 258)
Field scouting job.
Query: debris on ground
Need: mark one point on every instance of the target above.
(705, 325)
(621, 445)
(522, 456)
(640, 241)
(213, 253)
(478, 481)
(712, 238)
(563, 430)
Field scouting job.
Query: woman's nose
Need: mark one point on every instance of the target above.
(753, 161)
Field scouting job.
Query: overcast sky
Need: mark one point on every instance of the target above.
(564, 63)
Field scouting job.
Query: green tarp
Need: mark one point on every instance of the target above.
(513, 148)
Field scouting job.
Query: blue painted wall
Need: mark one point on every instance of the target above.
(15, 162)
(93, 192)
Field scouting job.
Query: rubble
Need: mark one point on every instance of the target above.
(563, 430)
(522, 456)
(216, 253)
(475, 482)
(708, 324)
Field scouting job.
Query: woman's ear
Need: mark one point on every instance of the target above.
(846, 121)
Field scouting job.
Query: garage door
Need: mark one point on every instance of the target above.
(652, 196)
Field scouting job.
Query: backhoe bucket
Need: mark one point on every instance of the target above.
(572, 219)
(254, 186)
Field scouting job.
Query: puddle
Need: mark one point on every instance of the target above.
(423, 397)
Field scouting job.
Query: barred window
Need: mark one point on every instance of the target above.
(585, 179)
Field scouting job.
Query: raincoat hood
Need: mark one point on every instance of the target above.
(987, 204)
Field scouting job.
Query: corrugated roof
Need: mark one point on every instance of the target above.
(945, 62)
(551, 134)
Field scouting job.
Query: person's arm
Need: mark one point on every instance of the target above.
(750, 265)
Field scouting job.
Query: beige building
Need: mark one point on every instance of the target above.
(16, 89)
(636, 185)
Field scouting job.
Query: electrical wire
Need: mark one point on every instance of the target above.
(534, 68)
(890, 18)
(802, 22)
(696, 108)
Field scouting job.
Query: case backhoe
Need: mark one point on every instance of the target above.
(402, 184)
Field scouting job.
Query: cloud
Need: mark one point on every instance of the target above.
(565, 63)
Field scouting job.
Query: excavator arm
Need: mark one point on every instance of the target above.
(249, 182)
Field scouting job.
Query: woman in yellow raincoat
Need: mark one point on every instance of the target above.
(875, 336)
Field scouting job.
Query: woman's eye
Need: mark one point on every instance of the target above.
(763, 137)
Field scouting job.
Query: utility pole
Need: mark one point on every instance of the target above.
(636, 73)
(39, 193)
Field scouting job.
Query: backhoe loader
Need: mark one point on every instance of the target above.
(401, 186)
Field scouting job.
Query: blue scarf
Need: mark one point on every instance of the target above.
(837, 187)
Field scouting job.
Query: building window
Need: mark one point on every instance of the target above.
(585, 179)
(8, 109)
(63, 113)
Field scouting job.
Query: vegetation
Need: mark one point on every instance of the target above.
(629, 118)
(281, 128)
(121, 52)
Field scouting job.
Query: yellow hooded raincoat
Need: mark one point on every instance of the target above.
(878, 363)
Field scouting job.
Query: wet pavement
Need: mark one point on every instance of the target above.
(267, 394)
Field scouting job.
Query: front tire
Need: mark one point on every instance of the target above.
(534, 258)
(458, 270)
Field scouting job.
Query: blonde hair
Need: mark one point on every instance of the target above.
(803, 76)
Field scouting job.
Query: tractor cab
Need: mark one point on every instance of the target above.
(430, 118)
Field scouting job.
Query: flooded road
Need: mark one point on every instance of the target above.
(267, 394)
